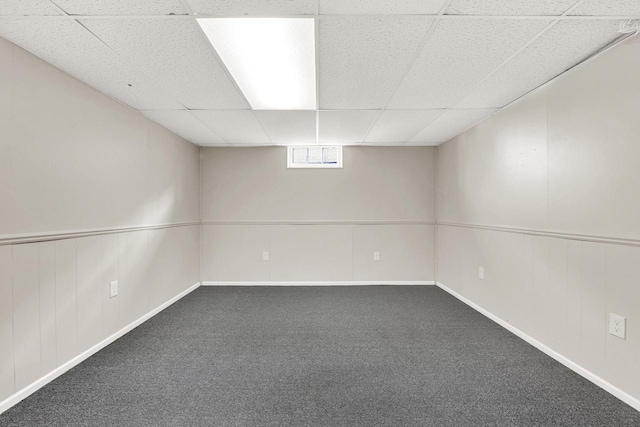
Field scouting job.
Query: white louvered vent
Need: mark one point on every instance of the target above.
(314, 156)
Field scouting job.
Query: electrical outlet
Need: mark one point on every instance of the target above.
(617, 325)
(265, 256)
(113, 289)
(481, 273)
(376, 256)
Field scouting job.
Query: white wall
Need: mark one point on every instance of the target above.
(318, 224)
(72, 160)
(545, 196)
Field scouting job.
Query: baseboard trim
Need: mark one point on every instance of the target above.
(607, 386)
(333, 283)
(38, 384)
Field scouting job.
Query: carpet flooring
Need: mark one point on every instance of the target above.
(320, 356)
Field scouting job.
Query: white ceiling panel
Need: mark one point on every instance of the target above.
(469, 50)
(560, 48)
(345, 127)
(28, 8)
(509, 7)
(363, 59)
(289, 127)
(450, 124)
(175, 54)
(70, 47)
(235, 127)
(183, 123)
(364, 7)
(400, 125)
(254, 7)
(608, 7)
(122, 7)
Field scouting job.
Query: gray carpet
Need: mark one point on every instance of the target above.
(320, 356)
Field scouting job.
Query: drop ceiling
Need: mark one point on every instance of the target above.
(401, 72)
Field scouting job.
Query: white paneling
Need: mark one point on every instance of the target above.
(289, 127)
(70, 47)
(360, 7)
(564, 45)
(183, 123)
(66, 304)
(47, 268)
(132, 278)
(558, 294)
(311, 252)
(7, 367)
(400, 125)
(345, 127)
(89, 291)
(511, 7)
(469, 50)
(406, 252)
(593, 316)
(405, 191)
(110, 270)
(362, 60)
(235, 127)
(28, 8)
(450, 124)
(191, 257)
(623, 298)
(122, 7)
(234, 252)
(175, 54)
(608, 7)
(254, 7)
(26, 314)
(593, 147)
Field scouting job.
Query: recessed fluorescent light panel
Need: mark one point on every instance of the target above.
(273, 60)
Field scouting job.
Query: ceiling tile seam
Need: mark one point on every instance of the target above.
(152, 81)
(442, 112)
(430, 31)
(516, 53)
(217, 57)
(440, 17)
(264, 128)
(207, 126)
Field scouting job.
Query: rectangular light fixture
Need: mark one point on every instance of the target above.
(273, 60)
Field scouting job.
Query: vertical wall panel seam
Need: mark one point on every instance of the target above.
(13, 323)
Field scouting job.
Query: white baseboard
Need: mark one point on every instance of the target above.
(625, 397)
(336, 283)
(38, 384)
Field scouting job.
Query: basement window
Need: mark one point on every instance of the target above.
(314, 156)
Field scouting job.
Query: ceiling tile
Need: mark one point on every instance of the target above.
(563, 46)
(608, 8)
(289, 127)
(122, 7)
(469, 50)
(450, 124)
(510, 7)
(400, 125)
(28, 8)
(345, 127)
(70, 47)
(363, 59)
(363, 7)
(175, 54)
(234, 126)
(254, 7)
(183, 123)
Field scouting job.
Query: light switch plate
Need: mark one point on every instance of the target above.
(376, 256)
(265, 256)
(113, 289)
(617, 326)
(481, 273)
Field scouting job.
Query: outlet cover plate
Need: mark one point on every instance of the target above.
(481, 273)
(113, 289)
(376, 256)
(617, 326)
(265, 256)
